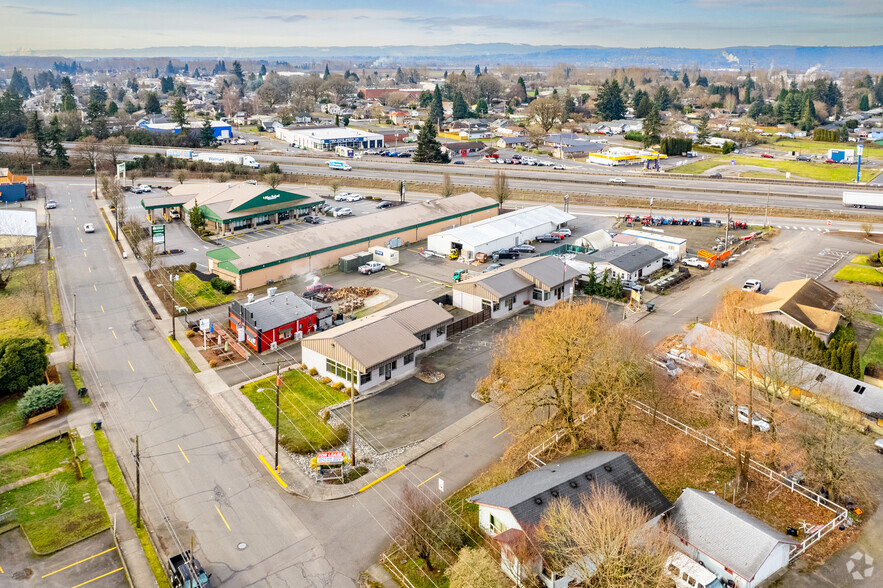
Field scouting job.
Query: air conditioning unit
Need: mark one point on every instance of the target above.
(273, 346)
(272, 291)
(298, 336)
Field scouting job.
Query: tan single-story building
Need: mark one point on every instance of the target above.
(800, 303)
(277, 258)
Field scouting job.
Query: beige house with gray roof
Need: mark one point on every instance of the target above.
(378, 349)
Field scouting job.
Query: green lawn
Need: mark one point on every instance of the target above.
(115, 476)
(48, 527)
(860, 260)
(859, 273)
(193, 293)
(828, 172)
(9, 421)
(24, 312)
(300, 399)
(697, 167)
(821, 147)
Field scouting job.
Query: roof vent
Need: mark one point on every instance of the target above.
(590, 476)
(272, 291)
(573, 484)
(859, 389)
(820, 378)
(608, 468)
(538, 500)
(554, 493)
(251, 298)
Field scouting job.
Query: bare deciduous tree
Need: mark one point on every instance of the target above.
(135, 233)
(181, 175)
(113, 148)
(89, 149)
(447, 187)
(868, 229)
(113, 193)
(853, 301)
(273, 180)
(335, 186)
(57, 493)
(545, 111)
(831, 445)
(149, 254)
(500, 187)
(605, 540)
(423, 529)
(475, 568)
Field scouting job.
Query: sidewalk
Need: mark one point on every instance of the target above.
(130, 546)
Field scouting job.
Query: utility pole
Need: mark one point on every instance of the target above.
(172, 294)
(277, 416)
(137, 484)
(766, 215)
(74, 336)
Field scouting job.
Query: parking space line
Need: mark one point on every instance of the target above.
(222, 518)
(501, 432)
(677, 311)
(428, 479)
(99, 577)
(76, 563)
(152, 404)
(645, 334)
(182, 452)
(130, 363)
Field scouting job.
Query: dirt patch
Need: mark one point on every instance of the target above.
(429, 374)
(52, 375)
(215, 353)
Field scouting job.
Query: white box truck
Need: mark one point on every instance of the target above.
(340, 165)
(345, 151)
(388, 256)
(246, 160)
(863, 199)
(179, 153)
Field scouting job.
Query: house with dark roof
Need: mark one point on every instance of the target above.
(631, 262)
(799, 303)
(726, 540)
(509, 512)
(264, 323)
(541, 281)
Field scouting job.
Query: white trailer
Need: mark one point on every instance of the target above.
(863, 199)
(179, 153)
(246, 160)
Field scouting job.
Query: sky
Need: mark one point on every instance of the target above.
(58, 25)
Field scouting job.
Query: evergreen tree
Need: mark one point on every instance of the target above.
(186, 71)
(428, 148)
(609, 103)
(436, 109)
(702, 131)
(686, 80)
(652, 127)
(97, 106)
(151, 103)
(156, 72)
(54, 138)
(206, 133)
(327, 73)
(702, 81)
(662, 98)
(99, 128)
(481, 106)
(643, 107)
(477, 70)
(68, 102)
(425, 98)
(747, 99)
(460, 109)
(197, 219)
(336, 120)
(38, 135)
(864, 103)
(808, 121)
(523, 88)
(112, 108)
(179, 113)
(568, 108)
(20, 84)
(170, 69)
(237, 71)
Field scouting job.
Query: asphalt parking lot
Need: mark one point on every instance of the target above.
(94, 561)
(413, 410)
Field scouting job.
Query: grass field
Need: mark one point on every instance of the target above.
(821, 147)
(860, 273)
(50, 528)
(9, 421)
(24, 312)
(827, 172)
(193, 293)
(115, 476)
(301, 397)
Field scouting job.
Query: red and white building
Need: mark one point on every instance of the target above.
(277, 318)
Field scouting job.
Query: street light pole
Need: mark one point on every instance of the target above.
(277, 417)
(172, 294)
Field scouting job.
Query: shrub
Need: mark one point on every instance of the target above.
(23, 361)
(222, 286)
(302, 367)
(212, 363)
(62, 339)
(193, 266)
(325, 380)
(39, 399)
(190, 334)
(338, 386)
(313, 372)
(326, 415)
(634, 136)
(728, 147)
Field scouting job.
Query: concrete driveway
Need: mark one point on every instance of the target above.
(413, 410)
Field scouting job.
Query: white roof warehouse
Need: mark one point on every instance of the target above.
(327, 138)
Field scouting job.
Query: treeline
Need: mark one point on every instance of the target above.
(840, 355)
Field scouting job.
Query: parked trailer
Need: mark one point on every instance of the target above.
(863, 199)
(246, 160)
(180, 153)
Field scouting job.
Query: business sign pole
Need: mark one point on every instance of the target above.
(121, 171)
(858, 172)
(158, 232)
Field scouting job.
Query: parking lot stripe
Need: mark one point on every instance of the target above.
(500, 433)
(428, 479)
(78, 562)
(182, 452)
(677, 311)
(404, 274)
(99, 577)
(222, 518)
(152, 404)
(645, 334)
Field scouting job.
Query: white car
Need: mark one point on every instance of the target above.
(752, 286)
(558, 166)
(563, 231)
(757, 421)
(89, 228)
(342, 197)
(878, 445)
(616, 181)
(240, 141)
(353, 197)
(343, 212)
(695, 262)
(145, 188)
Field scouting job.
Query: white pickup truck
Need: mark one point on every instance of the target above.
(372, 267)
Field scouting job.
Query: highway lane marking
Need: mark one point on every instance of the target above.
(730, 277)
(130, 363)
(154, 407)
(501, 432)
(84, 254)
(381, 478)
(81, 239)
(78, 562)
(677, 311)
(275, 474)
(1, 571)
(181, 450)
(102, 307)
(96, 287)
(428, 479)
(90, 269)
(99, 577)
(222, 518)
(645, 334)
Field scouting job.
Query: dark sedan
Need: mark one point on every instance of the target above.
(507, 254)
(312, 219)
(549, 238)
(524, 248)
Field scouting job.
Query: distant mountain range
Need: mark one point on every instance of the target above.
(778, 56)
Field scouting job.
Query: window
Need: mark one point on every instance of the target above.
(409, 357)
(509, 302)
(541, 295)
(250, 338)
(559, 292)
(339, 370)
(424, 337)
(285, 333)
(366, 377)
(440, 331)
(496, 306)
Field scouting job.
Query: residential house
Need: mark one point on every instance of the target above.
(463, 148)
(375, 351)
(577, 149)
(240, 118)
(728, 541)
(511, 142)
(510, 512)
(632, 262)
(266, 322)
(811, 386)
(674, 247)
(539, 281)
(800, 303)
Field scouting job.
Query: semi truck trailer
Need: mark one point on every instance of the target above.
(863, 199)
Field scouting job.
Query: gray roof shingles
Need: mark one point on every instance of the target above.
(629, 259)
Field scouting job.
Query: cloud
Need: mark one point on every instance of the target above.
(730, 57)
(37, 12)
(293, 18)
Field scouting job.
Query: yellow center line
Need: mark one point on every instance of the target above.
(90, 270)
(179, 448)
(222, 518)
(130, 363)
(96, 287)
(78, 562)
(81, 239)
(706, 292)
(84, 254)
(645, 334)
(500, 433)
(1, 571)
(428, 479)
(99, 577)
(677, 311)
(115, 336)
(102, 307)
(154, 406)
(730, 277)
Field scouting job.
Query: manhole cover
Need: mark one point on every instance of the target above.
(242, 545)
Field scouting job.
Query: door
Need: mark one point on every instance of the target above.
(387, 371)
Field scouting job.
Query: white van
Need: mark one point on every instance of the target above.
(689, 573)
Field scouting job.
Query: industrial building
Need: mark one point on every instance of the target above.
(541, 281)
(277, 318)
(220, 129)
(277, 258)
(371, 351)
(18, 228)
(329, 138)
(493, 234)
(228, 208)
(674, 247)
(12, 187)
